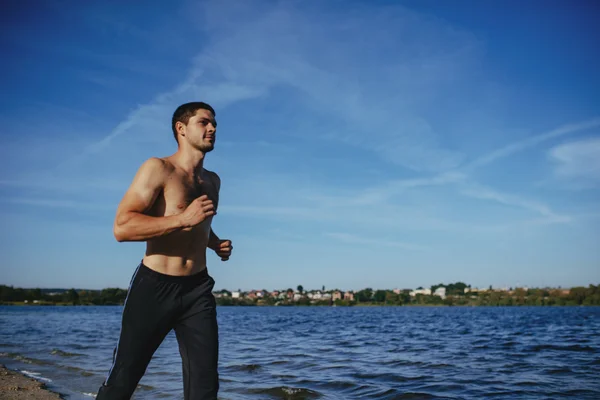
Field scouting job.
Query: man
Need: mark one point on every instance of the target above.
(170, 205)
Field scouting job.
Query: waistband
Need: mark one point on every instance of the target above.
(145, 271)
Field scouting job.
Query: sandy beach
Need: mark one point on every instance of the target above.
(14, 385)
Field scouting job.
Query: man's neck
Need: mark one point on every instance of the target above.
(191, 161)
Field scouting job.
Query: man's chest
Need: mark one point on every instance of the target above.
(180, 192)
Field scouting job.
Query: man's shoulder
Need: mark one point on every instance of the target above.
(155, 169)
(213, 176)
(158, 164)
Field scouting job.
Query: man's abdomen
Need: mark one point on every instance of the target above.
(180, 253)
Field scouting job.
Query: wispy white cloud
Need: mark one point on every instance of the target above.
(362, 240)
(521, 145)
(60, 203)
(64, 186)
(485, 193)
(383, 193)
(577, 163)
(441, 179)
(269, 211)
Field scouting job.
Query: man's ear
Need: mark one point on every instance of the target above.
(180, 128)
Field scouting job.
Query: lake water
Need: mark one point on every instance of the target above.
(331, 352)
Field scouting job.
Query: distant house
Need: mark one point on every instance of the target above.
(397, 291)
(235, 295)
(297, 296)
(441, 291)
(326, 296)
(349, 296)
(475, 290)
(275, 293)
(251, 295)
(337, 295)
(415, 292)
(314, 295)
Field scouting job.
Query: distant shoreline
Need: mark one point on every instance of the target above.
(453, 294)
(21, 304)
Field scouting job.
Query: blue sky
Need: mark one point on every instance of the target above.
(361, 143)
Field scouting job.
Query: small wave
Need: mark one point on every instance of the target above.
(386, 377)
(339, 385)
(416, 395)
(573, 347)
(559, 371)
(62, 353)
(35, 375)
(348, 344)
(246, 367)
(24, 359)
(78, 370)
(401, 363)
(526, 383)
(279, 362)
(249, 350)
(326, 349)
(90, 395)
(574, 394)
(438, 366)
(288, 393)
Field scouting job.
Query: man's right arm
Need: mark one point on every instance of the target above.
(131, 222)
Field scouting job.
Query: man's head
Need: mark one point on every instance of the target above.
(195, 123)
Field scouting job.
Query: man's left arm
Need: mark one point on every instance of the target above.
(223, 248)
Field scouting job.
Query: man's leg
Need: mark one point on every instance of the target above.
(198, 338)
(147, 318)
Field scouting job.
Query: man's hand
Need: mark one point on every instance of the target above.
(199, 210)
(224, 249)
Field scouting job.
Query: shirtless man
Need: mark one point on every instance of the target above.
(170, 205)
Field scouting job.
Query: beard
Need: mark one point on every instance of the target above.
(205, 147)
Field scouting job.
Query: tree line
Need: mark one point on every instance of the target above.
(455, 296)
(109, 296)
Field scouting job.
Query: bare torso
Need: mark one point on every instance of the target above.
(183, 252)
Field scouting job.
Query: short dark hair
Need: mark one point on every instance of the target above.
(184, 112)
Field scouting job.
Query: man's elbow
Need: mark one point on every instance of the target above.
(120, 233)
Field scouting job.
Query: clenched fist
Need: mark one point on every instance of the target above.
(224, 249)
(199, 210)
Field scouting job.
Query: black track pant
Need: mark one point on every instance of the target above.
(155, 304)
